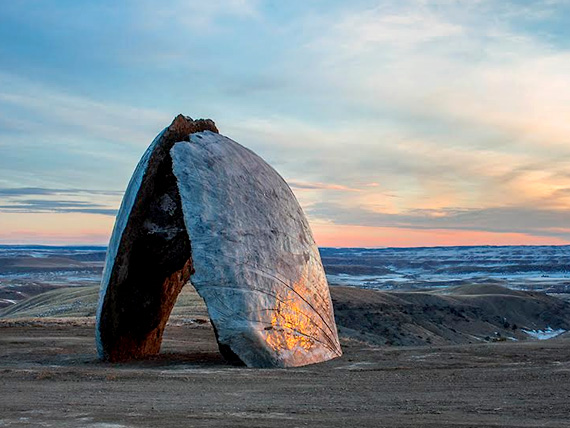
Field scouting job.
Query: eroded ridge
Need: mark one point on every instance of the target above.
(202, 207)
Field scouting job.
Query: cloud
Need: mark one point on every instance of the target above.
(27, 191)
(364, 30)
(56, 206)
(452, 65)
(51, 137)
(16, 200)
(565, 192)
(321, 186)
(521, 219)
(31, 107)
(198, 15)
(455, 106)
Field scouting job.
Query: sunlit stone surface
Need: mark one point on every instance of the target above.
(200, 207)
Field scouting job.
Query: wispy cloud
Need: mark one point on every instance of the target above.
(300, 185)
(452, 64)
(53, 206)
(49, 136)
(528, 220)
(197, 14)
(45, 112)
(28, 191)
(364, 30)
(16, 200)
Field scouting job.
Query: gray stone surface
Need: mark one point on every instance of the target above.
(253, 257)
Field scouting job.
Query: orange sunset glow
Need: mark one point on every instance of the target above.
(328, 235)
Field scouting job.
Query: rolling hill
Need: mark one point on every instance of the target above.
(457, 315)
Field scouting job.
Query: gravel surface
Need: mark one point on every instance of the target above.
(50, 377)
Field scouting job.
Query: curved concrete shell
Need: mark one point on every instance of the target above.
(202, 208)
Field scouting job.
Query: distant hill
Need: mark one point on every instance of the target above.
(459, 315)
(26, 271)
(465, 314)
(73, 302)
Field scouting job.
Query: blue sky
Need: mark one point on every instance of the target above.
(396, 123)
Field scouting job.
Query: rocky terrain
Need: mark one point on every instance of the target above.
(29, 270)
(537, 268)
(466, 355)
(32, 270)
(458, 315)
(50, 374)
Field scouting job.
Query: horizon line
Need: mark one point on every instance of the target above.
(3, 245)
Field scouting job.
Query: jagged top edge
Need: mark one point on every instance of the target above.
(183, 126)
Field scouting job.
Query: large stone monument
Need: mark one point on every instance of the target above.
(201, 208)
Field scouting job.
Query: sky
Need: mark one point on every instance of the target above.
(396, 123)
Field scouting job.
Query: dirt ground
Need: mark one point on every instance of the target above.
(50, 377)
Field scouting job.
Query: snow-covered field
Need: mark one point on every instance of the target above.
(547, 333)
(26, 271)
(40, 251)
(541, 268)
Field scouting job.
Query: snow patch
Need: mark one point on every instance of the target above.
(547, 333)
